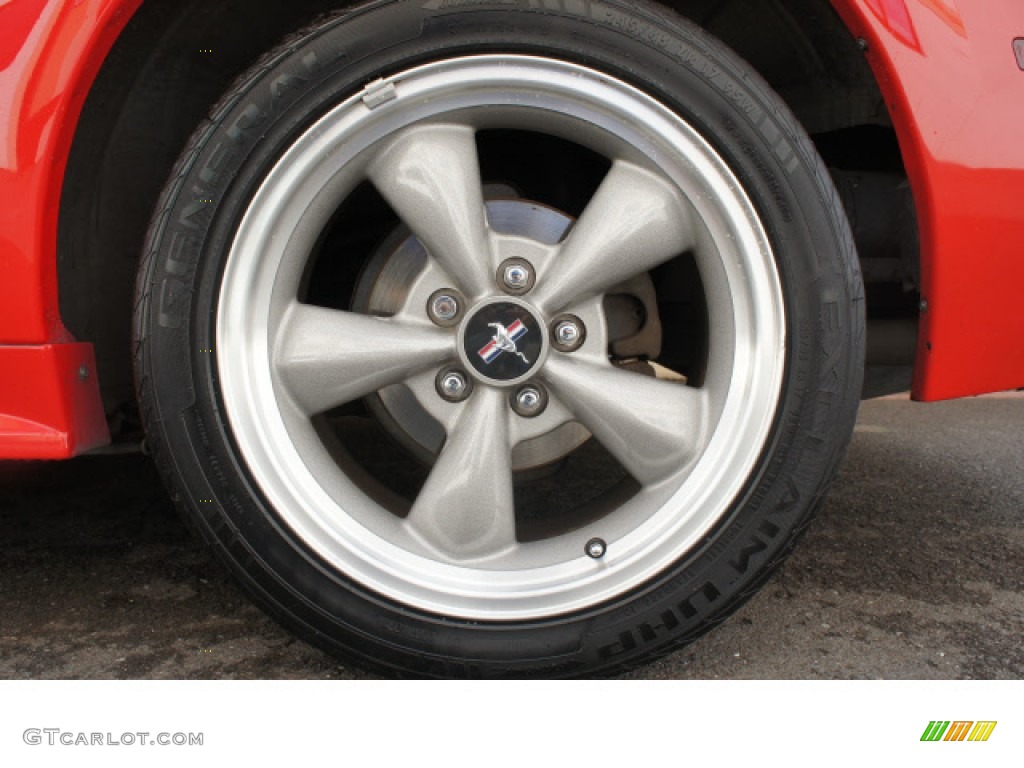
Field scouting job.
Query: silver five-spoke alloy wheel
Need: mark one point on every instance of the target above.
(689, 447)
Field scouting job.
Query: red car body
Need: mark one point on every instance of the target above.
(950, 71)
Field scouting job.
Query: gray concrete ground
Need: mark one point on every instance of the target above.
(914, 569)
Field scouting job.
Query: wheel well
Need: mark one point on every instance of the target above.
(176, 57)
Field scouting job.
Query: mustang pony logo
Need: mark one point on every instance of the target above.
(504, 341)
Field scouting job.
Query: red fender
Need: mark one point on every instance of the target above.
(946, 68)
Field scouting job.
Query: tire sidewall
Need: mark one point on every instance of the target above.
(283, 95)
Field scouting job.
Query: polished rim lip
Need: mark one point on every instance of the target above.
(244, 363)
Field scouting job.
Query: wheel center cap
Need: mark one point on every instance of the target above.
(503, 341)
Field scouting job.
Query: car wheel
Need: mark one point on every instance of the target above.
(493, 339)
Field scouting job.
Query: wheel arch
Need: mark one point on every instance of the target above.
(174, 59)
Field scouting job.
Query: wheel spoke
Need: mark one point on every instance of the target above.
(430, 175)
(466, 508)
(652, 427)
(326, 358)
(634, 222)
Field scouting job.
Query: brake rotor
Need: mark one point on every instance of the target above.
(382, 290)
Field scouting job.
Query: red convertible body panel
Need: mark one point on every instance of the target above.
(955, 91)
(947, 70)
(50, 52)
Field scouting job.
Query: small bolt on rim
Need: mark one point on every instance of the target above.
(516, 276)
(530, 401)
(568, 333)
(446, 307)
(596, 548)
(454, 385)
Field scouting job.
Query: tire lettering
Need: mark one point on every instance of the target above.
(177, 263)
(453, 670)
(634, 27)
(403, 630)
(624, 644)
(741, 563)
(251, 117)
(577, 7)
(191, 211)
(740, 98)
(284, 84)
(210, 173)
(791, 498)
(767, 530)
(173, 300)
(668, 621)
(780, 146)
(830, 317)
(649, 632)
(444, 5)
(764, 172)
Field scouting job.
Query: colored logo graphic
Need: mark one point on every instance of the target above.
(958, 730)
(504, 341)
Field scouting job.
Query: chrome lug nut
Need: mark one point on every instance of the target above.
(445, 307)
(453, 385)
(596, 548)
(516, 276)
(529, 401)
(568, 333)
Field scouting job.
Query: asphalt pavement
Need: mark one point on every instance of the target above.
(913, 569)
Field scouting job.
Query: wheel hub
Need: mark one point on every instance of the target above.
(503, 341)
(411, 416)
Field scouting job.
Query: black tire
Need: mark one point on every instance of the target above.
(192, 437)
